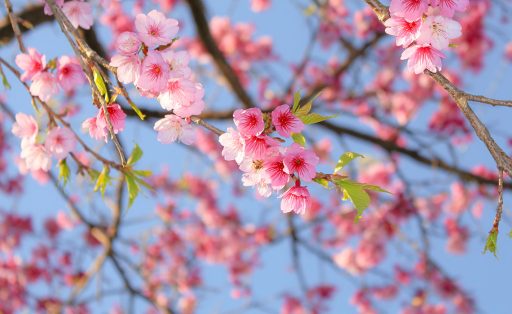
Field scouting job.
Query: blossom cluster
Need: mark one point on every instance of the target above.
(48, 78)
(98, 126)
(424, 28)
(265, 163)
(146, 59)
(35, 154)
(79, 13)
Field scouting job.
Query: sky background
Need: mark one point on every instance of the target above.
(487, 278)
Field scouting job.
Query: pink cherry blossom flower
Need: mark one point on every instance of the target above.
(195, 107)
(60, 142)
(117, 117)
(255, 175)
(257, 146)
(233, 145)
(296, 199)
(274, 166)
(25, 127)
(249, 121)
(32, 63)
(438, 30)
(285, 121)
(423, 57)
(410, 10)
(178, 62)
(154, 73)
(155, 29)
(36, 156)
(448, 7)
(128, 43)
(178, 93)
(260, 5)
(98, 133)
(299, 160)
(44, 85)
(128, 68)
(69, 73)
(406, 32)
(79, 13)
(173, 128)
(47, 9)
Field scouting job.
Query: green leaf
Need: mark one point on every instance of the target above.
(93, 174)
(103, 180)
(304, 110)
(375, 188)
(299, 139)
(100, 83)
(143, 173)
(345, 159)
(133, 188)
(135, 155)
(356, 193)
(313, 118)
(5, 82)
(323, 182)
(296, 101)
(143, 183)
(137, 110)
(491, 244)
(64, 172)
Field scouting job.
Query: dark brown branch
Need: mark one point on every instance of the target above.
(198, 11)
(30, 17)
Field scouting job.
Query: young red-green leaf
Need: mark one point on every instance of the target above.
(133, 188)
(356, 194)
(64, 172)
(375, 188)
(299, 139)
(491, 244)
(134, 156)
(313, 118)
(103, 180)
(345, 159)
(143, 173)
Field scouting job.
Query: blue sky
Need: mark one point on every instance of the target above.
(485, 277)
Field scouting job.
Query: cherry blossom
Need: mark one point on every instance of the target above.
(36, 156)
(69, 73)
(128, 43)
(296, 199)
(128, 68)
(173, 128)
(301, 161)
(249, 121)
(285, 121)
(32, 63)
(154, 29)
(60, 142)
(154, 73)
(116, 115)
(44, 85)
(423, 57)
(25, 127)
(438, 31)
(233, 145)
(79, 13)
(406, 32)
(411, 10)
